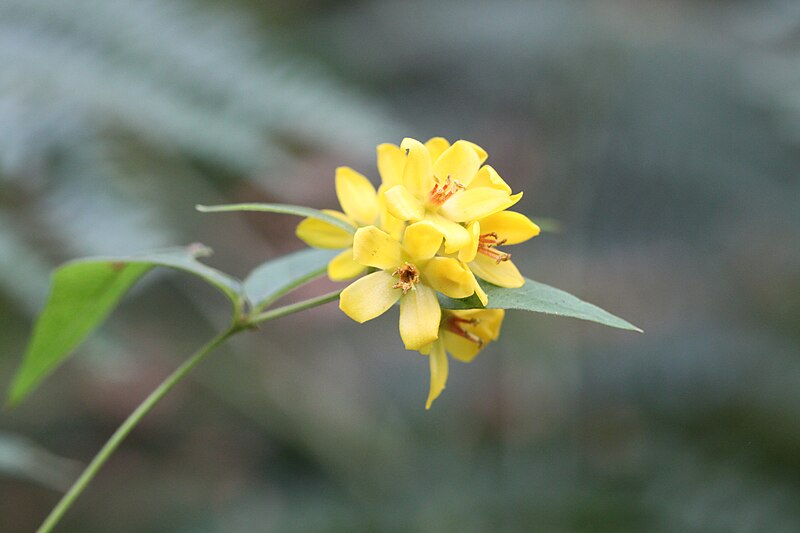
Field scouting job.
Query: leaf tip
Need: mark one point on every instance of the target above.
(202, 208)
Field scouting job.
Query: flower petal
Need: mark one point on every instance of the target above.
(459, 163)
(439, 370)
(437, 145)
(482, 154)
(391, 162)
(422, 240)
(342, 267)
(511, 226)
(376, 248)
(449, 277)
(356, 195)
(418, 172)
(467, 253)
(476, 203)
(479, 292)
(456, 236)
(503, 274)
(368, 297)
(321, 234)
(488, 177)
(420, 315)
(460, 348)
(489, 323)
(402, 204)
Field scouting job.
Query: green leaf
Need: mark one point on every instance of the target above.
(285, 209)
(539, 298)
(273, 279)
(84, 292)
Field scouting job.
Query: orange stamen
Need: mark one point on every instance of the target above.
(442, 192)
(487, 245)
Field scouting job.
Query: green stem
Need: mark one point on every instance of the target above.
(293, 308)
(154, 397)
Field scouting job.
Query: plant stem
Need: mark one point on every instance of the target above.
(293, 308)
(154, 397)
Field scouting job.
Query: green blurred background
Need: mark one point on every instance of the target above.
(662, 135)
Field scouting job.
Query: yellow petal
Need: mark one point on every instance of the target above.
(391, 162)
(320, 234)
(482, 155)
(342, 267)
(422, 240)
(376, 248)
(489, 323)
(419, 317)
(462, 349)
(467, 253)
(476, 203)
(488, 177)
(449, 277)
(368, 297)
(356, 195)
(418, 172)
(403, 205)
(439, 370)
(504, 273)
(479, 292)
(456, 236)
(437, 145)
(513, 227)
(459, 162)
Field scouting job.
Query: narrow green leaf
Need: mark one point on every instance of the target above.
(540, 298)
(273, 279)
(84, 292)
(285, 209)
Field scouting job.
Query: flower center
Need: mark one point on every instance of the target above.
(487, 245)
(442, 191)
(408, 276)
(456, 325)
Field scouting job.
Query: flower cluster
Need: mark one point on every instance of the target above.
(436, 222)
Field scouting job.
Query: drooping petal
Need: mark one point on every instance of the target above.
(462, 349)
(513, 227)
(343, 267)
(356, 195)
(391, 162)
(504, 273)
(422, 240)
(449, 277)
(477, 203)
(439, 370)
(320, 234)
(418, 171)
(456, 236)
(420, 315)
(437, 145)
(479, 292)
(459, 162)
(488, 177)
(467, 253)
(368, 297)
(376, 248)
(402, 204)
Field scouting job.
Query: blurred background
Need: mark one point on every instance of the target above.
(662, 135)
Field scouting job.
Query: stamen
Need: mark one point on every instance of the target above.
(487, 245)
(441, 192)
(454, 326)
(408, 277)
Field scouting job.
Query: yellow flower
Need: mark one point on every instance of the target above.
(443, 184)
(361, 206)
(462, 334)
(485, 259)
(409, 272)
